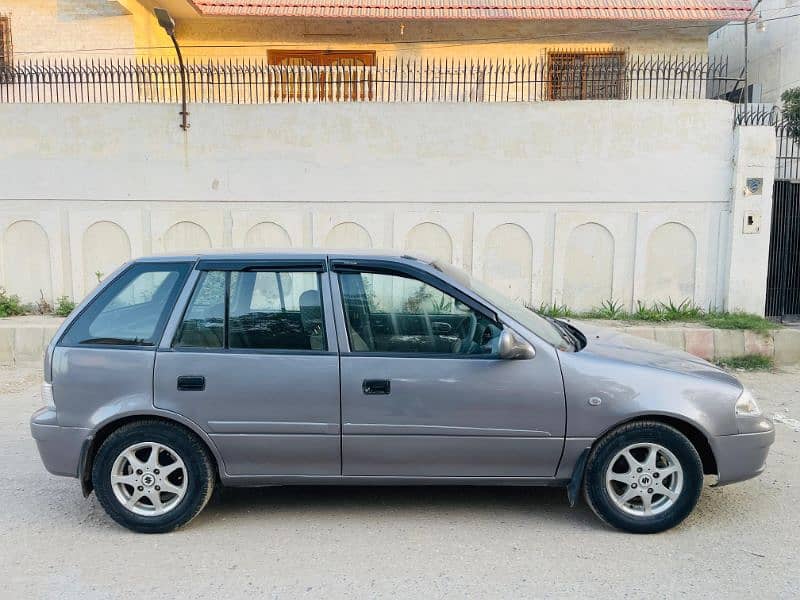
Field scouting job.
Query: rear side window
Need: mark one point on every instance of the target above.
(275, 310)
(132, 310)
(266, 310)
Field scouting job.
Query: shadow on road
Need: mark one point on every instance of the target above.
(375, 501)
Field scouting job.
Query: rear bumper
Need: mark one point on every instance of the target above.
(742, 456)
(59, 447)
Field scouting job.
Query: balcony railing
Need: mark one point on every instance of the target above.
(243, 81)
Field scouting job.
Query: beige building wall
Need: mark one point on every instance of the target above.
(68, 28)
(568, 202)
(97, 28)
(437, 39)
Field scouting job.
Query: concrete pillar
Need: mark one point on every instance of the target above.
(750, 218)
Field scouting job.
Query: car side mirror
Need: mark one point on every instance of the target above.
(512, 347)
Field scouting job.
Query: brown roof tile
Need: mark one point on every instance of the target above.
(697, 10)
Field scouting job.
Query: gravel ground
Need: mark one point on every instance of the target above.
(742, 541)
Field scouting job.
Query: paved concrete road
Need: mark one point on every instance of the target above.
(743, 541)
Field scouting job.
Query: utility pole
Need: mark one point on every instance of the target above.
(746, 94)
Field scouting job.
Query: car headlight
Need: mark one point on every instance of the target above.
(746, 405)
(47, 395)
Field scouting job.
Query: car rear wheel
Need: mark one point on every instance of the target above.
(152, 476)
(644, 477)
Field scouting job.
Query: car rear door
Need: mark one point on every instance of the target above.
(252, 359)
(424, 393)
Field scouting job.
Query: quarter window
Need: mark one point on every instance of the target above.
(394, 313)
(133, 309)
(267, 310)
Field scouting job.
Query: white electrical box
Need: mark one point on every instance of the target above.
(752, 221)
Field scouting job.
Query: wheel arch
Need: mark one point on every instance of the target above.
(101, 433)
(692, 431)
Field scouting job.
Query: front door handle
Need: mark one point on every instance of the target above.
(373, 387)
(191, 383)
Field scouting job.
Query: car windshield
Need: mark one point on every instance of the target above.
(550, 330)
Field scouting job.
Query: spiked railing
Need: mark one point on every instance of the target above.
(248, 81)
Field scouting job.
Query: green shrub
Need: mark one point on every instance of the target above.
(791, 110)
(683, 311)
(64, 306)
(552, 310)
(608, 309)
(646, 313)
(747, 362)
(10, 305)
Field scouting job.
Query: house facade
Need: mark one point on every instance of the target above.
(428, 126)
(773, 49)
(325, 32)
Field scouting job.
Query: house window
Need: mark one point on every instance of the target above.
(586, 75)
(325, 74)
(5, 42)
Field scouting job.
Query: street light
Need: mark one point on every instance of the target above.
(168, 24)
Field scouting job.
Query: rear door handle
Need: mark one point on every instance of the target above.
(191, 383)
(374, 387)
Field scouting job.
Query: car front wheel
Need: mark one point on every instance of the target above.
(644, 477)
(152, 476)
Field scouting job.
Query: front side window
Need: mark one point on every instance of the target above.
(133, 309)
(398, 314)
(267, 310)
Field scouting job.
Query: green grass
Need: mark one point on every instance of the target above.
(664, 312)
(738, 320)
(747, 362)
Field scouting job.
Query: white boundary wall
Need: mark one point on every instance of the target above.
(566, 202)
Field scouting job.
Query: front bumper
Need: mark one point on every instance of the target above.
(59, 447)
(744, 455)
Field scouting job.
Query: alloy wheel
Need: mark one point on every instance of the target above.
(149, 479)
(644, 479)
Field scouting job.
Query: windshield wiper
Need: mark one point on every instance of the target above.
(565, 333)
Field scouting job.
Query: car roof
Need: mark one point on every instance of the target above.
(282, 253)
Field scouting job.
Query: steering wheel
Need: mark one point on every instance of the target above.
(467, 327)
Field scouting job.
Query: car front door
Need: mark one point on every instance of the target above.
(253, 361)
(424, 392)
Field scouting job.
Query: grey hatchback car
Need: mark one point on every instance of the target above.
(182, 373)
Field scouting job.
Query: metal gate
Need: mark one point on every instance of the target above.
(783, 276)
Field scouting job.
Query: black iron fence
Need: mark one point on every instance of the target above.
(247, 81)
(783, 275)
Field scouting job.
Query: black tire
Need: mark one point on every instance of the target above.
(594, 481)
(199, 470)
